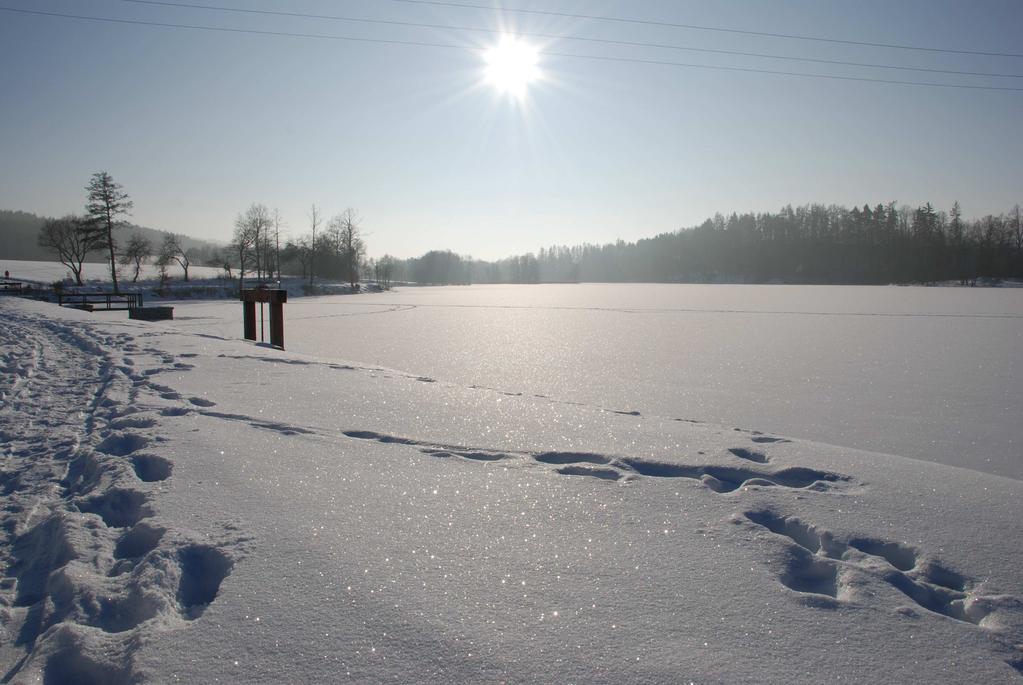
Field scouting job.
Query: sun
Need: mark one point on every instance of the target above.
(511, 66)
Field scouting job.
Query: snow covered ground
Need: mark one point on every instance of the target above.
(928, 373)
(183, 507)
(48, 272)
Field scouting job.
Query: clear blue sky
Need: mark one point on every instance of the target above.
(197, 125)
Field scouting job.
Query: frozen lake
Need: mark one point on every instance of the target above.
(928, 373)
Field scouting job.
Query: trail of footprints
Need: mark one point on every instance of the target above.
(85, 549)
(819, 563)
(819, 566)
(148, 575)
(826, 570)
(716, 477)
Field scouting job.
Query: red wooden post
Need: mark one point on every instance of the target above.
(249, 320)
(276, 299)
(277, 324)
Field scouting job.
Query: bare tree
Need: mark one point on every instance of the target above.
(136, 253)
(162, 262)
(107, 202)
(71, 239)
(277, 242)
(246, 239)
(1016, 223)
(385, 270)
(220, 258)
(300, 250)
(350, 246)
(314, 219)
(224, 262)
(172, 251)
(254, 226)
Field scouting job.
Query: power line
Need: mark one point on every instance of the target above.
(387, 41)
(226, 29)
(529, 34)
(781, 73)
(697, 27)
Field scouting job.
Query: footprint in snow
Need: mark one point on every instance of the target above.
(750, 455)
(122, 444)
(203, 569)
(118, 507)
(768, 439)
(150, 468)
(138, 541)
(132, 422)
(720, 479)
(818, 563)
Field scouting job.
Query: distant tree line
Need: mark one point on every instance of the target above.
(808, 244)
(20, 233)
(74, 239)
(335, 250)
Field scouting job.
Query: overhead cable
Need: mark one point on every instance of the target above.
(554, 36)
(697, 27)
(544, 53)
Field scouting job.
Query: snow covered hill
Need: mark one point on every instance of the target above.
(178, 507)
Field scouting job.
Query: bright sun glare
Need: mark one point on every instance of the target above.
(511, 66)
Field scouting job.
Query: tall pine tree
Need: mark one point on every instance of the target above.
(107, 203)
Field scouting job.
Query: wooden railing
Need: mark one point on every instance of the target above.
(9, 287)
(101, 301)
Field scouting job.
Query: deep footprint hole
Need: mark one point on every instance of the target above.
(937, 599)
(71, 667)
(139, 541)
(122, 444)
(37, 553)
(81, 473)
(151, 468)
(899, 556)
(124, 613)
(939, 575)
(806, 574)
(118, 508)
(803, 534)
(132, 422)
(203, 569)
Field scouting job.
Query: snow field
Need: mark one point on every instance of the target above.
(926, 373)
(98, 272)
(179, 506)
